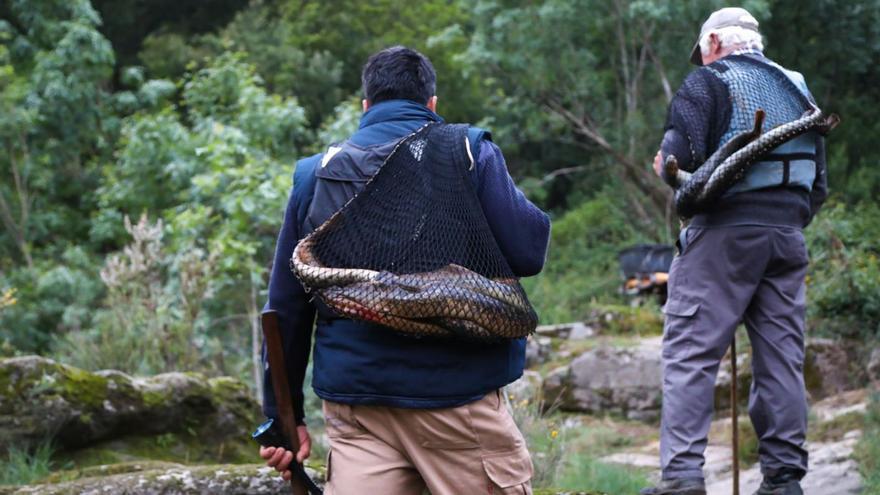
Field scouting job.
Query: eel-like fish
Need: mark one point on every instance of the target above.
(730, 163)
(738, 164)
(678, 179)
(449, 301)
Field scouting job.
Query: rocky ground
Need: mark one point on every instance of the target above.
(183, 433)
(157, 478)
(832, 468)
(621, 376)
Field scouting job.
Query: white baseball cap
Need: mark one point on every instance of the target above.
(726, 17)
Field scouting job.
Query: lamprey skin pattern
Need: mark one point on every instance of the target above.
(730, 163)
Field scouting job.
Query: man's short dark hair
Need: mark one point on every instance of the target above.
(398, 73)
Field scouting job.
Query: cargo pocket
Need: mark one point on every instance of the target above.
(339, 421)
(509, 471)
(329, 466)
(447, 429)
(687, 238)
(494, 426)
(678, 328)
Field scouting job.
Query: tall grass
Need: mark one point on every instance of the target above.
(868, 449)
(566, 454)
(22, 467)
(583, 471)
(544, 436)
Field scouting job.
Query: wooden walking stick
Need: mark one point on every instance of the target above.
(278, 370)
(734, 416)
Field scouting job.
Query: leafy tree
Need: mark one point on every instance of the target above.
(217, 169)
(833, 43)
(54, 119)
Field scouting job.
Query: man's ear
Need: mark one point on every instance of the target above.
(365, 103)
(714, 44)
(432, 104)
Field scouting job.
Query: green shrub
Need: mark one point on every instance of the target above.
(844, 279)
(55, 296)
(582, 266)
(868, 449)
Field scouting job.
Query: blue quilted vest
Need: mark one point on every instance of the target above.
(755, 83)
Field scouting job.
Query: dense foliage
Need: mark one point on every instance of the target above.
(148, 149)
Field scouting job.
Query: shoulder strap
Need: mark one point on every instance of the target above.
(476, 136)
(304, 180)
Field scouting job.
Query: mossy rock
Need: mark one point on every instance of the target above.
(41, 399)
(166, 479)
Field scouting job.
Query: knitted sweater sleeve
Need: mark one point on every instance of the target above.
(698, 116)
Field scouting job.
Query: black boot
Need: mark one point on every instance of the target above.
(784, 482)
(684, 486)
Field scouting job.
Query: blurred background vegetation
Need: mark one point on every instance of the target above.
(147, 151)
(148, 148)
(186, 118)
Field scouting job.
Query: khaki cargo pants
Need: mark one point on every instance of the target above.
(467, 450)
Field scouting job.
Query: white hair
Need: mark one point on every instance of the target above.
(734, 37)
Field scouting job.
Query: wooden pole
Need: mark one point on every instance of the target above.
(734, 413)
(278, 371)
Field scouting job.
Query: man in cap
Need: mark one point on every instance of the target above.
(744, 259)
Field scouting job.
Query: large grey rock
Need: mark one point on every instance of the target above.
(625, 381)
(538, 350)
(573, 331)
(40, 399)
(168, 479)
(873, 370)
(832, 471)
(830, 369)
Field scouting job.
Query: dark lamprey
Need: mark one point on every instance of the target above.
(697, 191)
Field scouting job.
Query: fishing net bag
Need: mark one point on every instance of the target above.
(413, 250)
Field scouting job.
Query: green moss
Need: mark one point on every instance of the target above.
(82, 387)
(182, 448)
(5, 380)
(91, 456)
(628, 320)
(834, 429)
(153, 398)
(108, 469)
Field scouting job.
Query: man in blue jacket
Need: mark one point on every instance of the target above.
(402, 414)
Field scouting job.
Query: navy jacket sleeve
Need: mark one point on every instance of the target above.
(521, 228)
(296, 316)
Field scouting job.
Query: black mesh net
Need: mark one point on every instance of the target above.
(413, 251)
(757, 85)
